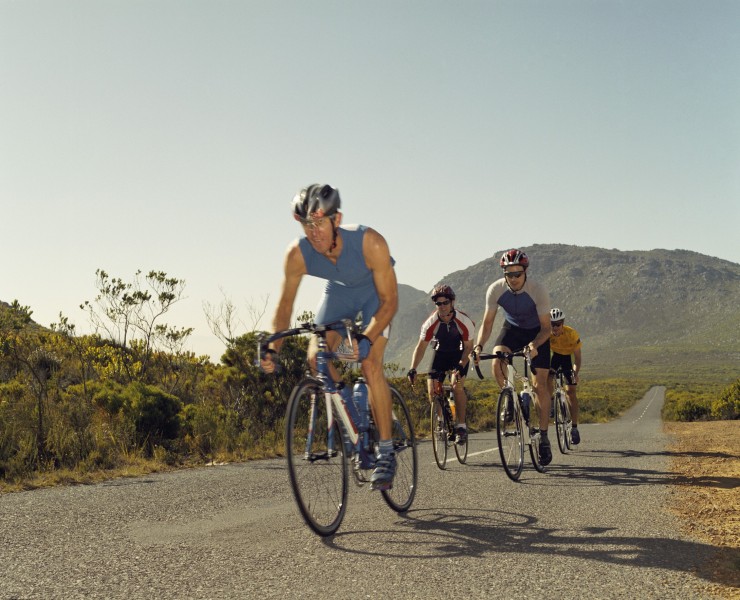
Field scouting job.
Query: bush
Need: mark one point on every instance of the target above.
(727, 405)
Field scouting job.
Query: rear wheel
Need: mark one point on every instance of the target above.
(509, 434)
(439, 433)
(401, 495)
(317, 463)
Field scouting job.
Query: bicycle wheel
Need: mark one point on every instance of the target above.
(317, 463)
(534, 434)
(509, 434)
(560, 422)
(439, 433)
(568, 423)
(401, 495)
(461, 450)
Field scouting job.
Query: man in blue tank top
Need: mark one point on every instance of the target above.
(356, 262)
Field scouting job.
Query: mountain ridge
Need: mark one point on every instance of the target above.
(620, 301)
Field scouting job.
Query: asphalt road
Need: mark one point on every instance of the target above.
(595, 524)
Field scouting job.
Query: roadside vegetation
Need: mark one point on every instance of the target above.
(129, 400)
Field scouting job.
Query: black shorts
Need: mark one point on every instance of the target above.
(515, 338)
(563, 362)
(447, 361)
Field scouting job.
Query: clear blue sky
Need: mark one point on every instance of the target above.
(172, 135)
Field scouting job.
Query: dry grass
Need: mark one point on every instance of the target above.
(707, 495)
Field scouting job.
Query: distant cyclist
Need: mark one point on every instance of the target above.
(450, 332)
(361, 279)
(564, 342)
(526, 307)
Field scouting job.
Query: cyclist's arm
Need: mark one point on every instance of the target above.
(378, 260)
(485, 331)
(467, 350)
(543, 335)
(418, 354)
(294, 269)
(577, 362)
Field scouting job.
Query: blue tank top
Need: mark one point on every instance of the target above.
(350, 270)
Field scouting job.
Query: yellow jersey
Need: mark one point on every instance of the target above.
(565, 343)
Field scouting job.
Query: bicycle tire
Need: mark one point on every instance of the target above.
(439, 433)
(461, 451)
(318, 465)
(509, 434)
(560, 422)
(401, 495)
(534, 434)
(568, 423)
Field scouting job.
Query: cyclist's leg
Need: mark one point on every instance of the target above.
(570, 390)
(541, 368)
(507, 339)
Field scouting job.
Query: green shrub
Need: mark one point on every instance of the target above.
(727, 405)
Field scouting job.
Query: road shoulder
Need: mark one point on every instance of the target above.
(705, 460)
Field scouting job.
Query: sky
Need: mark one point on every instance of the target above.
(172, 135)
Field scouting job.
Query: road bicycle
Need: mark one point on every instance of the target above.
(563, 420)
(517, 416)
(442, 418)
(329, 431)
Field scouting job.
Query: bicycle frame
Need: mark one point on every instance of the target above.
(317, 412)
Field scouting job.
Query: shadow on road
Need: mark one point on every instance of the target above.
(447, 532)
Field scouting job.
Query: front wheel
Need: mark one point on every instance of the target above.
(439, 433)
(317, 463)
(401, 495)
(534, 434)
(561, 422)
(509, 434)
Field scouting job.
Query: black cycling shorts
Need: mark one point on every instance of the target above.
(564, 362)
(447, 361)
(515, 338)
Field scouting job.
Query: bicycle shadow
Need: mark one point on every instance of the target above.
(636, 476)
(449, 533)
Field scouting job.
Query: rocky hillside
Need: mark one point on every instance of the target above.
(627, 305)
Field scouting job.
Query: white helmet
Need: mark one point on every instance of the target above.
(556, 315)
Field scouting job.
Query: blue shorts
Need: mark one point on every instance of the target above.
(342, 302)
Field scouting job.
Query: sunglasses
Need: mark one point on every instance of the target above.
(556, 323)
(514, 274)
(318, 223)
(443, 303)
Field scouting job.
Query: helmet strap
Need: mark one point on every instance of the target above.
(334, 236)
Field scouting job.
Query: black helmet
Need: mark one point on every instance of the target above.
(514, 257)
(443, 289)
(316, 200)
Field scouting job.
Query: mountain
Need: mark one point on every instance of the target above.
(630, 307)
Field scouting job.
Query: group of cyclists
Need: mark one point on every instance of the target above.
(359, 269)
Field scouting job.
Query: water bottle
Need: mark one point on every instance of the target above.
(359, 395)
(452, 410)
(344, 392)
(526, 403)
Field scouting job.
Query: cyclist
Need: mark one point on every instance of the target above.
(450, 332)
(564, 342)
(525, 304)
(356, 261)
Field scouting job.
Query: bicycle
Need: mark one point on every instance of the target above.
(517, 416)
(326, 430)
(563, 420)
(442, 419)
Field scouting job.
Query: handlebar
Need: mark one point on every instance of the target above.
(349, 326)
(507, 356)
